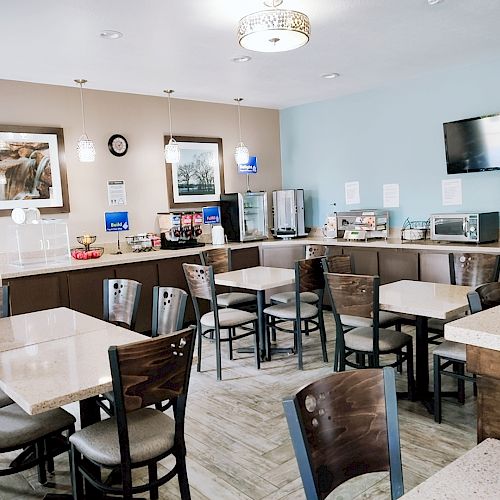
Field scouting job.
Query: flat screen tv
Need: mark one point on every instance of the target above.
(473, 145)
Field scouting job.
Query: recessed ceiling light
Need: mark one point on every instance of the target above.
(241, 59)
(434, 2)
(110, 34)
(330, 76)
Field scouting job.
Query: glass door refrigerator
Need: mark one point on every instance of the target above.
(244, 216)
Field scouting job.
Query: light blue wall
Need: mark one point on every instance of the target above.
(389, 135)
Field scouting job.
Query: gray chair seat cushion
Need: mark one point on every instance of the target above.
(451, 350)
(17, 428)
(4, 399)
(150, 431)
(234, 298)
(361, 339)
(385, 319)
(287, 297)
(228, 318)
(288, 311)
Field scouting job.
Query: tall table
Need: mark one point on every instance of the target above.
(260, 279)
(424, 300)
(58, 356)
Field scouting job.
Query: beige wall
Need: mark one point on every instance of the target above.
(143, 120)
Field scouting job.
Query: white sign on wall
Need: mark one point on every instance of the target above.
(451, 192)
(117, 194)
(352, 193)
(391, 195)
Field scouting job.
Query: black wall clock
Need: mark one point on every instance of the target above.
(118, 145)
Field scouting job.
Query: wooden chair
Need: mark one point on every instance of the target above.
(200, 280)
(343, 426)
(343, 264)
(121, 301)
(466, 269)
(144, 373)
(358, 295)
(169, 306)
(308, 279)
(220, 260)
(453, 354)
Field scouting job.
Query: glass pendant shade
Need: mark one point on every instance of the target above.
(276, 30)
(241, 154)
(85, 149)
(172, 152)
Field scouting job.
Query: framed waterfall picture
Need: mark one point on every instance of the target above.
(198, 178)
(32, 169)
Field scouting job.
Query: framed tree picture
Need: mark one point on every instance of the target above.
(198, 178)
(32, 169)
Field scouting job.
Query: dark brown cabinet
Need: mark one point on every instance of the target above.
(397, 264)
(365, 260)
(245, 257)
(85, 289)
(34, 293)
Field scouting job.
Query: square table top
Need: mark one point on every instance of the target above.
(51, 373)
(42, 326)
(472, 476)
(420, 298)
(257, 278)
(481, 329)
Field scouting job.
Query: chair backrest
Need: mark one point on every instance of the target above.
(316, 251)
(338, 264)
(4, 301)
(121, 301)
(484, 297)
(200, 280)
(169, 305)
(473, 269)
(343, 426)
(309, 275)
(218, 258)
(150, 372)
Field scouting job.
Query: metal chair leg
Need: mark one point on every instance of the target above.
(218, 354)
(76, 477)
(200, 337)
(437, 388)
(182, 477)
(322, 335)
(409, 372)
(298, 336)
(257, 346)
(230, 342)
(153, 476)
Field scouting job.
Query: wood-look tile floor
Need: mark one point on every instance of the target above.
(238, 443)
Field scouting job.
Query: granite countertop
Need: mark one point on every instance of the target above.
(481, 329)
(108, 259)
(475, 475)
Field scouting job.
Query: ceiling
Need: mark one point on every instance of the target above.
(187, 45)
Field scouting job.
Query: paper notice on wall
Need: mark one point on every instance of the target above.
(352, 193)
(116, 193)
(451, 192)
(391, 195)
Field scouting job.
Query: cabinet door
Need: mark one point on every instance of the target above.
(397, 264)
(147, 274)
(170, 273)
(434, 267)
(365, 260)
(242, 258)
(85, 289)
(34, 293)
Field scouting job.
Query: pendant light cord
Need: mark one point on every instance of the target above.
(169, 113)
(83, 110)
(239, 117)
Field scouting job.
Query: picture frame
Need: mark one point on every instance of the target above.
(198, 179)
(33, 169)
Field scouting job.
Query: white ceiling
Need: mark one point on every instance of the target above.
(187, 45)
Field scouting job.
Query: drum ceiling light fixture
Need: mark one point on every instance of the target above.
(85, 147)
(274, 30)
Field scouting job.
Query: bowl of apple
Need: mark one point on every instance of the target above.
(86, 254)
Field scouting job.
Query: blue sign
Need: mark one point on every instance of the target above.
(250, 167)
(117, 221)
(211, 215)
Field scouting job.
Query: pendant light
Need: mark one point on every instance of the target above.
(85, 147)
(241, 154)
(172, 150)
(274, 30)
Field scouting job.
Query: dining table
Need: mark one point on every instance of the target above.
(259, 279)
(424, 300)
(58, 356)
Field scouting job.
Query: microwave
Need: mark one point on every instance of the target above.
(465, 227)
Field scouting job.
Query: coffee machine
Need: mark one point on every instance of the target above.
(180, 230)
(288, 213)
